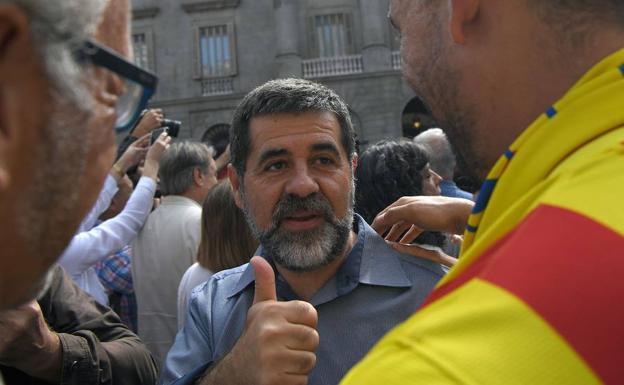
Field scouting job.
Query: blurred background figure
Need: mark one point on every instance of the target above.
(226, 242)
(88, 248)
(442, 161)
(389, 170)
(167, 245)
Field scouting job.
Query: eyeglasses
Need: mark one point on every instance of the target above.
(139, 85)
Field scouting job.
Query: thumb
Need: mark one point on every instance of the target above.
(265, 280)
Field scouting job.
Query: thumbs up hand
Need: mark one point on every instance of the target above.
(278, 343)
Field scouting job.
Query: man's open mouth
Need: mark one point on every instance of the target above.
(302, 220)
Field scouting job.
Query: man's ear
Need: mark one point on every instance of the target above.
(15, 48)
(354, 161)
(235, 182)
(463, 14)
(198, 177)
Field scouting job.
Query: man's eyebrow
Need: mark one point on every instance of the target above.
(272, 153)
(326, 146)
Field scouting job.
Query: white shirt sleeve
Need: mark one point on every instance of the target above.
(90, 247)
(104, 199)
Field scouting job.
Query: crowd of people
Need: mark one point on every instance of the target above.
(285, 256)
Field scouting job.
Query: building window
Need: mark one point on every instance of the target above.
(216, 51)
(141, 50)
(331, 35)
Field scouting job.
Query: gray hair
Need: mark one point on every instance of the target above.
(441, 156)
(285, 96)
(178, 163)
(58, 27)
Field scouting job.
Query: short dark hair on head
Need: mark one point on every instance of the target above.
(387, 171)
(285, 96)
(177, 165)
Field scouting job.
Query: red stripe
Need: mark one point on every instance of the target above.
(570, 270)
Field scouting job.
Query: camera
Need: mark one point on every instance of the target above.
(171, 127)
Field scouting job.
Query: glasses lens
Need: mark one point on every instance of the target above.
(129, 105)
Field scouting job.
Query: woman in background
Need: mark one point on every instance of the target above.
(389, 170)
(226, 242)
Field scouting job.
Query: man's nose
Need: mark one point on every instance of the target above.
(302, 184)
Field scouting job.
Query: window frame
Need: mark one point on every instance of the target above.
(231, 32)
(149, 43)
(351, 13)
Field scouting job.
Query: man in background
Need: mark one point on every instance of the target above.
(167, 244)
(441, 160)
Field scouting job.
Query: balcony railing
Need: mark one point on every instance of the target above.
(332, 66)
(217, 86)
(396, 60)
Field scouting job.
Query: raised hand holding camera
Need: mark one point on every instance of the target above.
(150, 120)
(131, 157)
(152, 159)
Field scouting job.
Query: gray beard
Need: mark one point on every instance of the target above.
(306, 250)
(47, 217)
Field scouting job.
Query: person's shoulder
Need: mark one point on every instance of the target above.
(377, 248)
(230, 276)
(418, 265)
(220, 284)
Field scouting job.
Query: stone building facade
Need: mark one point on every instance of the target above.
(209, 54)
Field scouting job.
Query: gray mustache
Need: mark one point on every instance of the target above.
(290, 204)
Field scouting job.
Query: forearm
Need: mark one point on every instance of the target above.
(92, 246)
(102, 203)
(463, 209)
(223, 372)
(124, 361)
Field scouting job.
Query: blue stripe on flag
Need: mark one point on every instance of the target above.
(551, 112)
(484, 195)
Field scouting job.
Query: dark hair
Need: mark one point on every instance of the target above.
(387, 171)
(226, 239)
(177, 165)
(285, 96)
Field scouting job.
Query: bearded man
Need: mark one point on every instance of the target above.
(65, 86)
(326, 285)
(535, 297)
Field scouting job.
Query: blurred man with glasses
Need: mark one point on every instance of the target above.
(64, 87)
(61, 97)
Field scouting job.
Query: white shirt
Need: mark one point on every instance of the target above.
(90, 247)
(194, 276)
(161, 253)
(104, 199)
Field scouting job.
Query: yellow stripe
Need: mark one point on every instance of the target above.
(591, 182)
(479, 334)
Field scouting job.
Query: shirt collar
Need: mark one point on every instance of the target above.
(371, 261)
(178, 200)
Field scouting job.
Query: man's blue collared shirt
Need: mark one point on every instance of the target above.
(375, 289)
